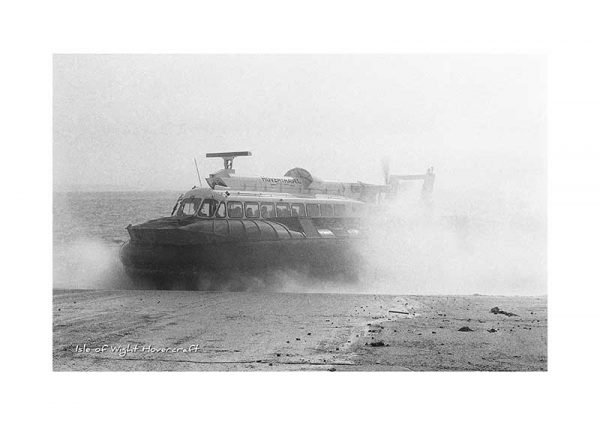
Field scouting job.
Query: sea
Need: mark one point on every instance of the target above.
(90, 227)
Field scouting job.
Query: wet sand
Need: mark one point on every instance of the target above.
(222, 331)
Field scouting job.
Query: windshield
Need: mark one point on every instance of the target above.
(208, 207)
(189, 206)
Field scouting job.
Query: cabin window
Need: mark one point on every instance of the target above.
(339, 210)
(326, 210)
(283, 210)
(234, 209)
(221, 210)
(312, 210)
(267, 210)
(208, 207)
(298, 210)
(252, 210)
(189, 206)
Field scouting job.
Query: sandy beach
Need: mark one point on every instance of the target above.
(221, 331)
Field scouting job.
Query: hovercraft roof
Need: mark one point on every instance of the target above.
(223, 195)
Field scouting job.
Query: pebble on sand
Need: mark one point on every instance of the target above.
(497, 310)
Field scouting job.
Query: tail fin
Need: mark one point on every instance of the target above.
(428, 180)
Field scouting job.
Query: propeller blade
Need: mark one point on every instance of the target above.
(385, 167)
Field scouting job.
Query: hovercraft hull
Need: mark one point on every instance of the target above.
(164, 253)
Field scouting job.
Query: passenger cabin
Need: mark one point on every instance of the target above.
(209, 203)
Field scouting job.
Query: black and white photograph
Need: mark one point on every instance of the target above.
(312, 212)
(299, 213)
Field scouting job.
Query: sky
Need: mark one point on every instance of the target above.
(137, 121)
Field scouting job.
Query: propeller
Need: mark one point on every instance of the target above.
(385, 167)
